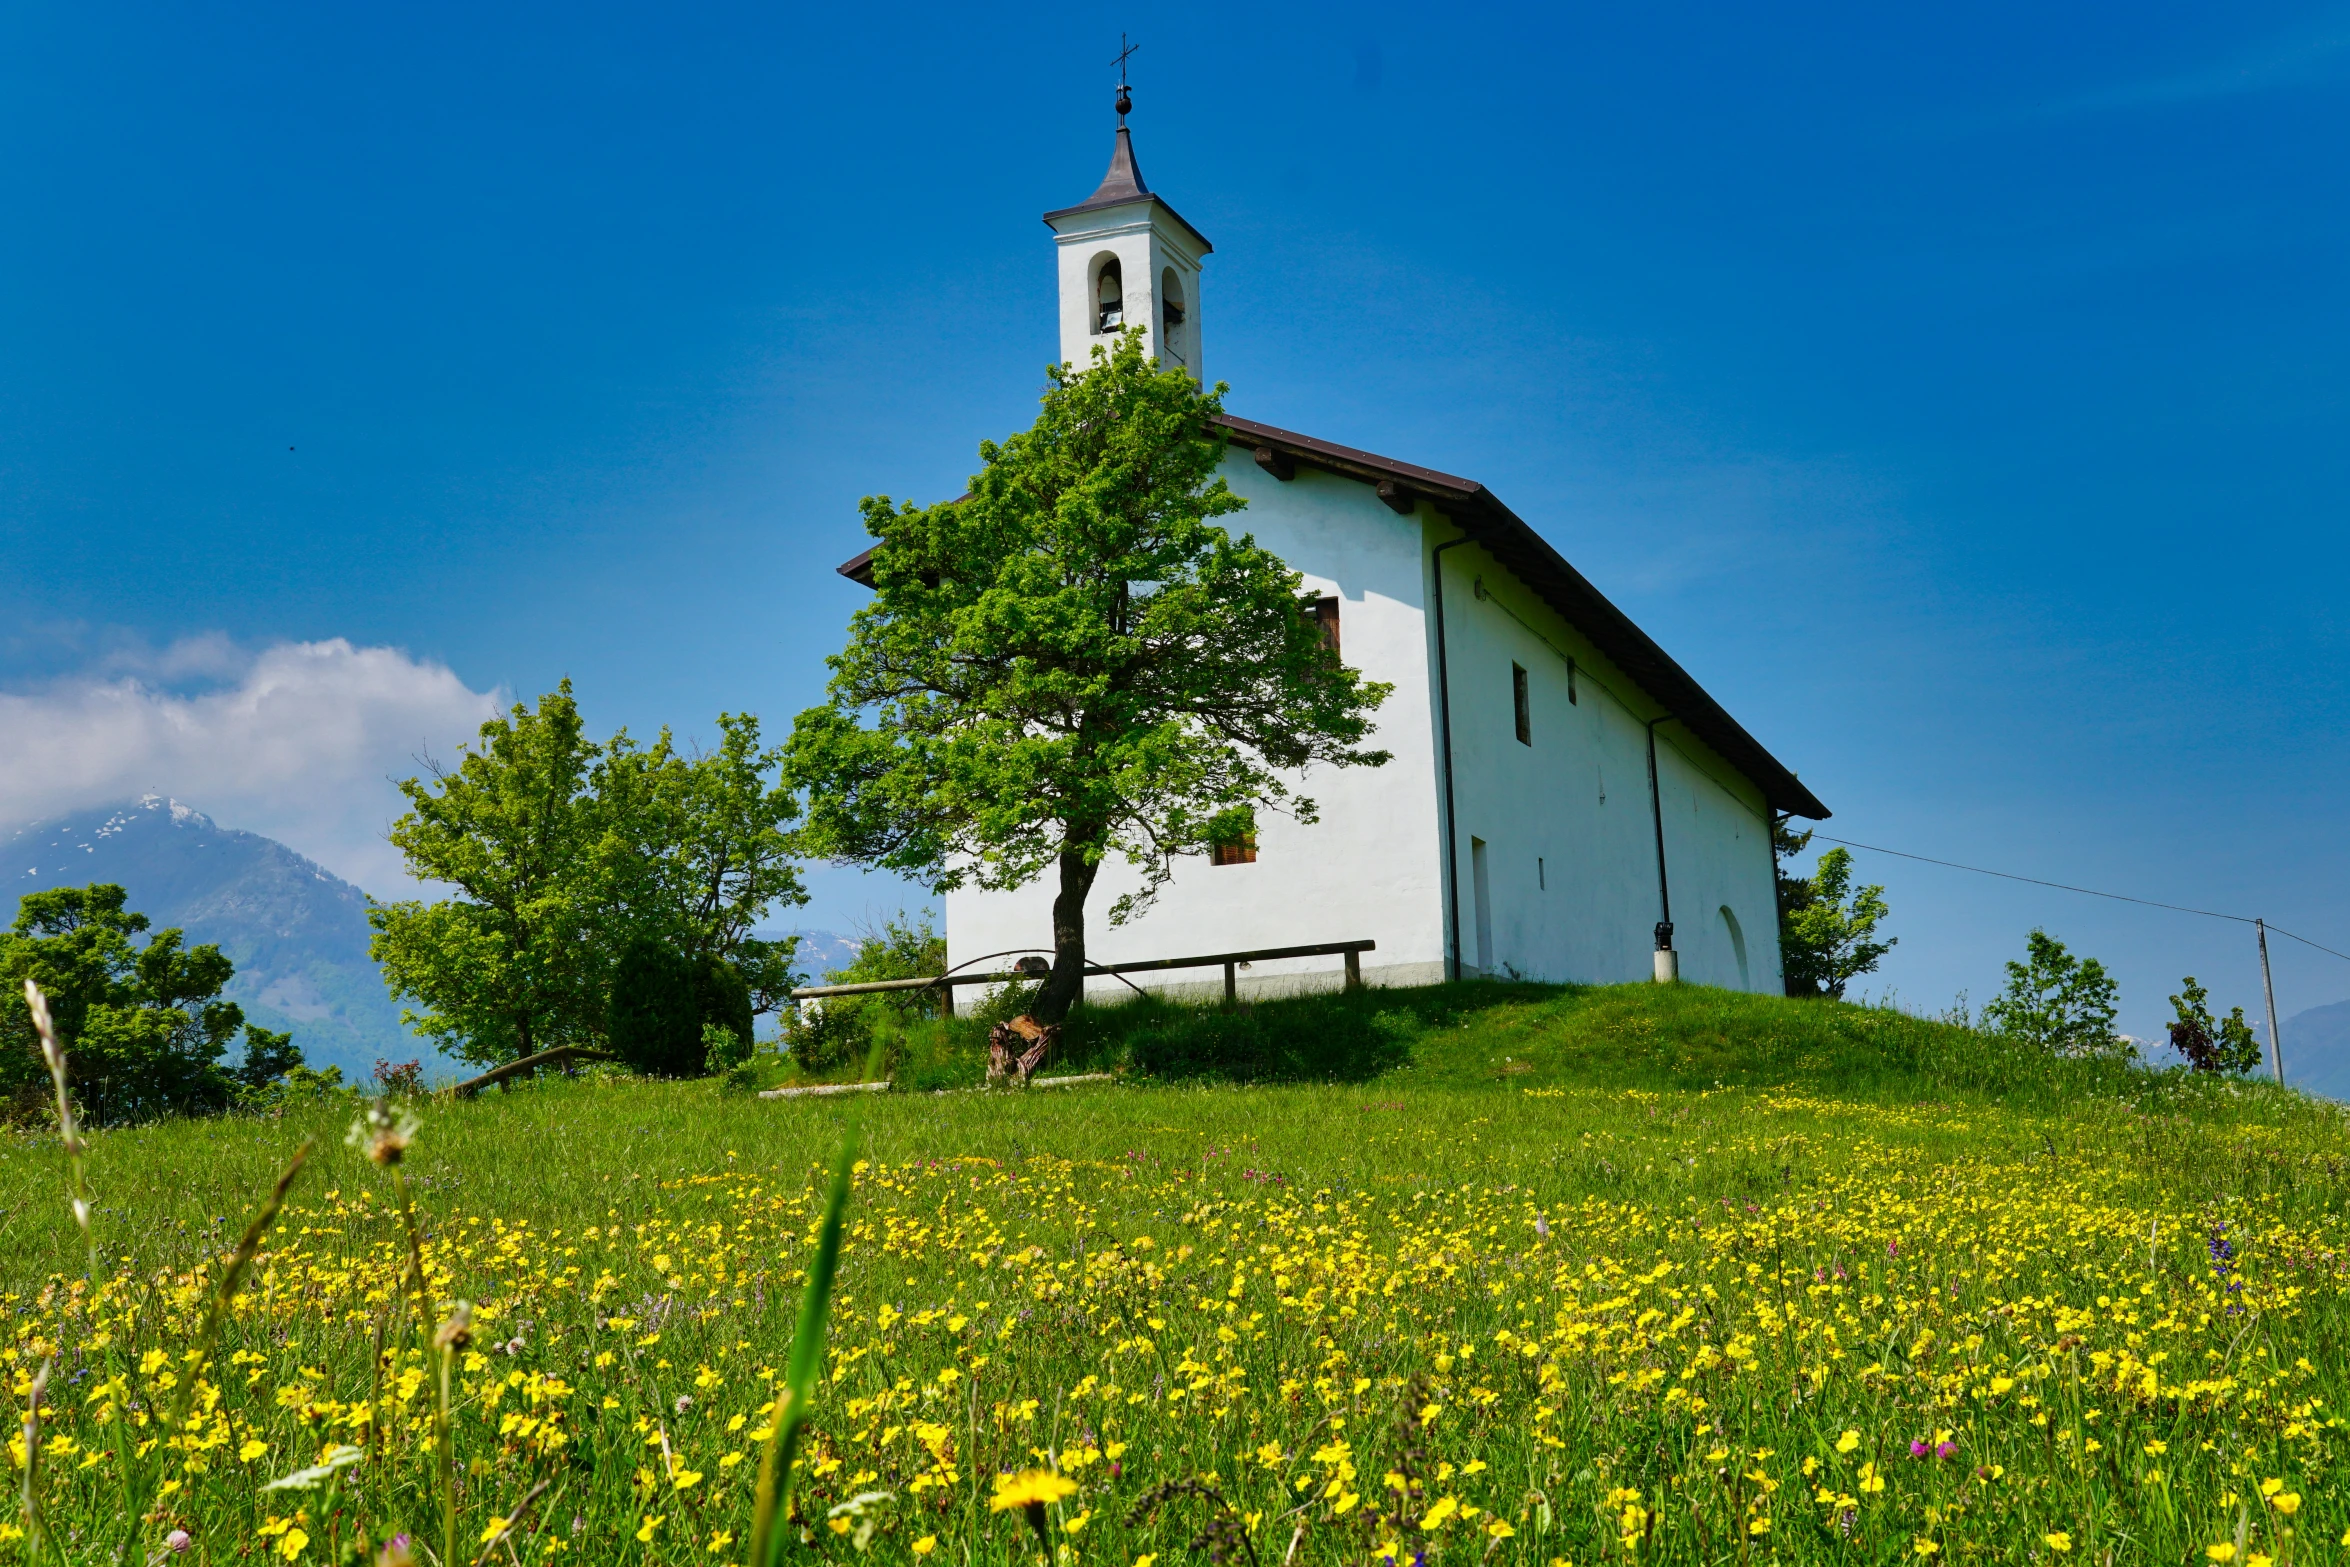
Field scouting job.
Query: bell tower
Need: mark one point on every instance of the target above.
(1128, 260)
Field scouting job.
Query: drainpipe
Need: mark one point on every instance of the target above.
(1668, 962)
(1452, 834)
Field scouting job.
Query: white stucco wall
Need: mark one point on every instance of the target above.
(1569, 847)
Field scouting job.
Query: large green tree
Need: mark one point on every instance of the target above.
(697, 850)
(143, 1025)
(563, 853)
(512, 963)
(1075, 661)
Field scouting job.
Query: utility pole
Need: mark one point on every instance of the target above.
(2276, 1046)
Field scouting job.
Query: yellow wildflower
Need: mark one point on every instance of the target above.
(1030, 1487)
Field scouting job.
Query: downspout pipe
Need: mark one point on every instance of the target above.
(1452, 834)
(1668, 962)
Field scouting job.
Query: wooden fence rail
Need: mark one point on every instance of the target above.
(1230, 962)
(528, 1066)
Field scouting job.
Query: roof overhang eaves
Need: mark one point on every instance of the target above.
(1146, 199)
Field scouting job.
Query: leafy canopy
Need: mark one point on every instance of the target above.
(143, 1026)
(1075, 660)
(512, 963)
(1827, 931)
(2062, 1003)
(562, 853)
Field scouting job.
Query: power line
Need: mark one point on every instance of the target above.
(2118, 897)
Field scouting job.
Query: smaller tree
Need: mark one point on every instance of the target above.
(696, 851)
(2057, 1001)
(1827, 930)
(2211, 1044)
(144, 1027)
(268, 1057)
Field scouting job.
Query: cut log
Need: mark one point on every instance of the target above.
(1019, 1047)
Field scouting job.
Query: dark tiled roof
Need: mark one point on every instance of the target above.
(1506, 537)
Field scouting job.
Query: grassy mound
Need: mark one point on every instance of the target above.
(1623, 1036)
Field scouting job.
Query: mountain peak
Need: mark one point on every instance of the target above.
(297, 932)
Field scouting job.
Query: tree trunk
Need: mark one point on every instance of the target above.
(1067, 981)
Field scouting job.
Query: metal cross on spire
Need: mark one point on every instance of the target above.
(1125, 93)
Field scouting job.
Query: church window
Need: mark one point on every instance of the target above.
(1110, 298)
(1525, 708)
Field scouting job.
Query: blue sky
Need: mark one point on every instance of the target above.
(1959, 393)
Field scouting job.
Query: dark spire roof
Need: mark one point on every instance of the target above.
(1124, 181)
(1122, 185)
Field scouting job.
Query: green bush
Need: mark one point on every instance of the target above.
(837, 1031)
(725, 1002)
(722, 1048)
(654, 1021)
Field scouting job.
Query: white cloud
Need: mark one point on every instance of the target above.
(299, 741)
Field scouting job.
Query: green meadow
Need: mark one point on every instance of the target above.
(1471, 1273)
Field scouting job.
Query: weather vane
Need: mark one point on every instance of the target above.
(1125, 93)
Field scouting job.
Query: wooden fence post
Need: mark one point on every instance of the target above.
(1232, 984)
(1354, 971)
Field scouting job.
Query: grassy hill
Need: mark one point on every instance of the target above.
(1621, 1274)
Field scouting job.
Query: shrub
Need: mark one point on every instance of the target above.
(399, 1079)
(725, 1002)
(835, 1032)
(2211, 1044)
(722, 1048)
(654, 1021)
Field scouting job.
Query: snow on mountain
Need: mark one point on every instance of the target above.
(296, 932)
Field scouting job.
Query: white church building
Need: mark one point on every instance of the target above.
(1564, 802)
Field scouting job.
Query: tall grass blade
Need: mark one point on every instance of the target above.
(32, 1455)
(773, 1506)
(53, 1054)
